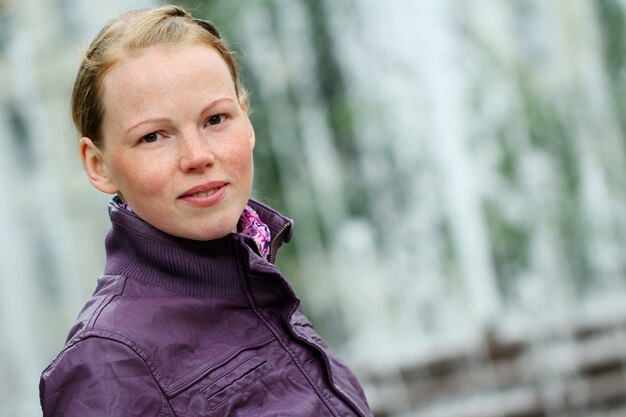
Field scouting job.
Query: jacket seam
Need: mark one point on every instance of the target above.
(320, 393)
(238, 392)
(119, 289)
(329, 367)
(139, 351)
(173, 390)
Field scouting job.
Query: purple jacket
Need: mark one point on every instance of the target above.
(186, 328)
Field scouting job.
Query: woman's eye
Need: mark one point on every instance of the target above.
(151, 137)
(215, 120)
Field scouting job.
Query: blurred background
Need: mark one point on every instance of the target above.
(455, 169)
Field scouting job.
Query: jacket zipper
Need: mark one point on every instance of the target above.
(274, 243)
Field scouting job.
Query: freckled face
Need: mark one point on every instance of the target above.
(177, 141)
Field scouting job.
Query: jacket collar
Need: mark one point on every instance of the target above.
(136, 249)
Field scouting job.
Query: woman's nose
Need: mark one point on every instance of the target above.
(196, 153)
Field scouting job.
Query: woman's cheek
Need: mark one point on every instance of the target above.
(150, 170)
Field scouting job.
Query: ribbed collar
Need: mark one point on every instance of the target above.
(139, 251)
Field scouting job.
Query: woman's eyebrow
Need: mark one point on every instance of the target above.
(208, 107)
(143, 122)
(217, 102)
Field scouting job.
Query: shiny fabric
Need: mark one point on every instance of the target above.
(186, 328)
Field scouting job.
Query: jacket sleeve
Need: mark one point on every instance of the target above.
(100, 377)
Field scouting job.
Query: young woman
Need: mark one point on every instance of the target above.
(191, 317)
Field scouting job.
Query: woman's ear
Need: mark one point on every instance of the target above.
(242, 104)
(95, 167)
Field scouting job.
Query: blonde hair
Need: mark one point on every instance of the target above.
(135, 30)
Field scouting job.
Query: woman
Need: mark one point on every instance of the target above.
(191, 317)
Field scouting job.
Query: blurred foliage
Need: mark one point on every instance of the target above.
(551, 133)
(613, 30)
(612, 24)
(511, 253)
(508, 165)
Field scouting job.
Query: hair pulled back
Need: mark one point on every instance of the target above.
(133, 31)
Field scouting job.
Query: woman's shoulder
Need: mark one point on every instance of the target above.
(98, 332)
(106, 343)
(99, 375)
(121, 309)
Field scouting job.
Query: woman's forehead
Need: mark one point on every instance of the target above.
(168, 64)
(164, 79)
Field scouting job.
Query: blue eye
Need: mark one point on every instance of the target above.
(151, 137)
(215, 120)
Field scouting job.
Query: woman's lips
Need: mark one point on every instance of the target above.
(205, 195)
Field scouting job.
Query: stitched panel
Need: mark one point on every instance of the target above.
(235, 381)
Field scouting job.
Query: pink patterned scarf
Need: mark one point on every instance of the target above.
(250, 225)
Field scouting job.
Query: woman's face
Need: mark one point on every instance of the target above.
(177, 142)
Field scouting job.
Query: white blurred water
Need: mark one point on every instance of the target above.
(438, 90)
(490, 146)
